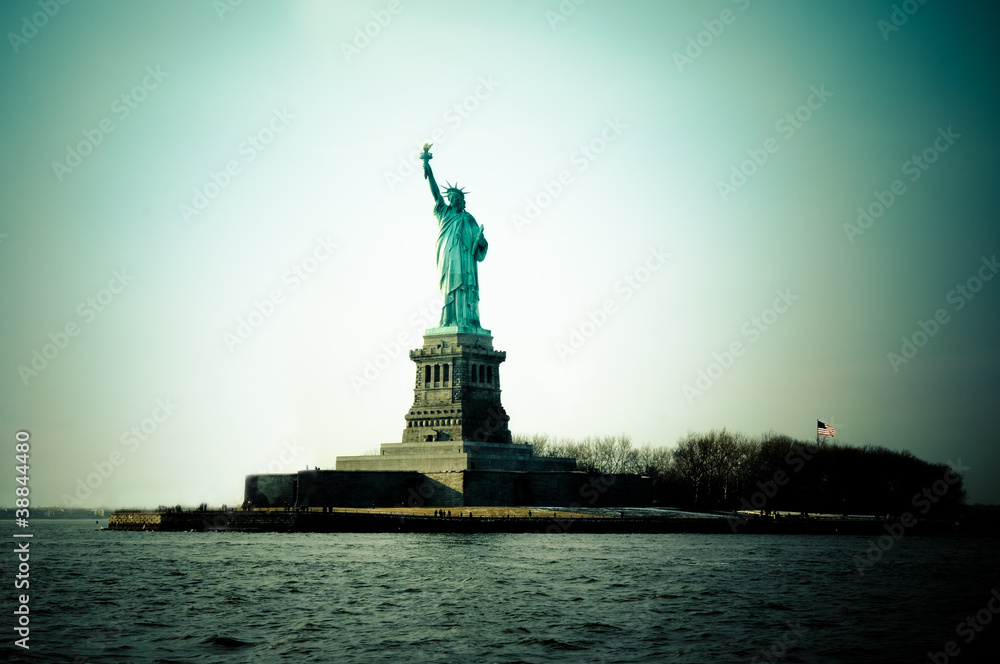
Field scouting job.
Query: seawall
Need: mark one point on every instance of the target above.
(550, 522)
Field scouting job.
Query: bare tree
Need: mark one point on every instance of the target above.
(692, 460)
(540, 442)
(653, 461)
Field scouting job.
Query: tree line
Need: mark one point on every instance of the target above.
(723, 470)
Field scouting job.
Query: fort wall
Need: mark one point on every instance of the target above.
(407, 488)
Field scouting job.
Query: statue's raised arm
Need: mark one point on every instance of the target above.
(429, 174)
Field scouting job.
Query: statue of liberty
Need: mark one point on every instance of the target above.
(460, 245)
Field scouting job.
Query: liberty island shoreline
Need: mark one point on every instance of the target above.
(541, 520)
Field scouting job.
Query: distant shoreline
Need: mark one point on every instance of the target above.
(52, 513)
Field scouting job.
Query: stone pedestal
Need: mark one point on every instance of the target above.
(457, 422)
(456, 391)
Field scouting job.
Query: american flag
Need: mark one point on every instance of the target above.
(823, 429)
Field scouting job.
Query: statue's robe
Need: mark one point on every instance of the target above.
(460, 245)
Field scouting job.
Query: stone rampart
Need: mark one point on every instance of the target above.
(407, 488)
(134, 521)
(270, 490)
(373, 488)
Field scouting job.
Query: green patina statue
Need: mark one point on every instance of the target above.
(460, 245)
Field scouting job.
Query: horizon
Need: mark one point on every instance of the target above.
(219, 248)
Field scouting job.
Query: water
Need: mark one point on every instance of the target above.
(406, 598)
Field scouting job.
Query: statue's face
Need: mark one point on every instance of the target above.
(457, 200)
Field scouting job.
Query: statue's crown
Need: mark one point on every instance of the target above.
(454, 189)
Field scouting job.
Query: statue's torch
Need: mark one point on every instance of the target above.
(426, 156)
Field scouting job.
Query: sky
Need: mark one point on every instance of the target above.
(217, 248)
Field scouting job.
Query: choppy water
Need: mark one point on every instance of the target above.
(405, 598)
